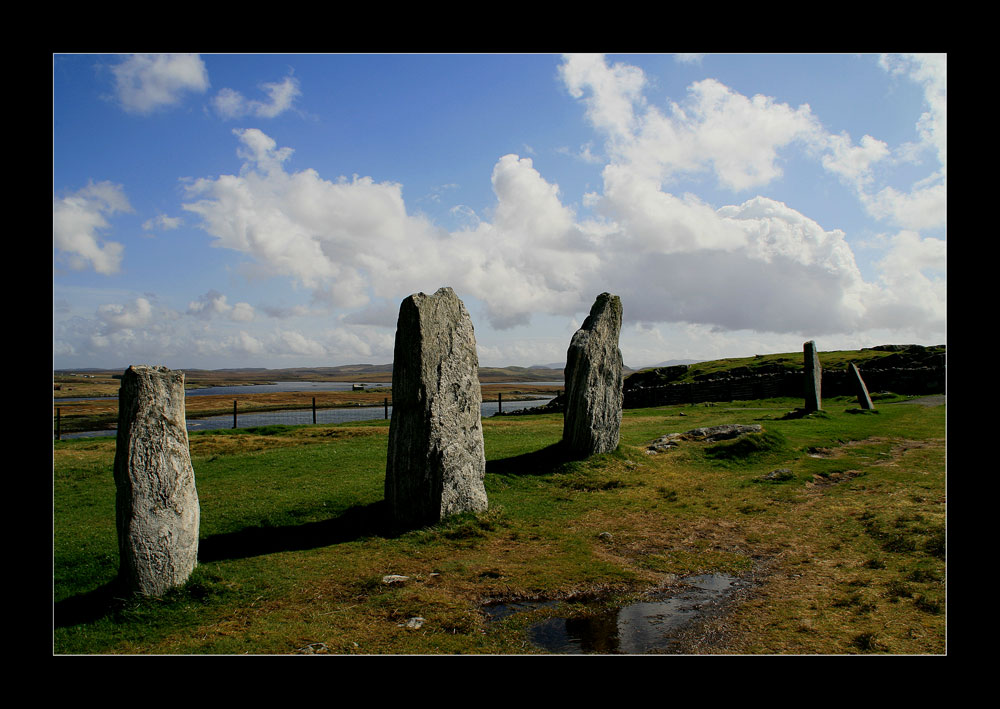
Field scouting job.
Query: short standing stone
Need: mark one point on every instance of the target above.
(156, 503)
(594, 380)
(864, 401)
(814, 377)
(436, 461)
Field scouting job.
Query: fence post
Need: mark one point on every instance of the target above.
(314, 409)
(499, 402)
(234, 413)
(387, 407)
(58, 422)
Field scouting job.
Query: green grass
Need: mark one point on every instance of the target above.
(847, 544)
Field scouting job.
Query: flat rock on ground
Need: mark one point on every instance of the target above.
(708, 434)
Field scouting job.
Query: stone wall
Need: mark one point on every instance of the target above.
(836, 382)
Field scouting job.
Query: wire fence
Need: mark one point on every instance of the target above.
(248, 414)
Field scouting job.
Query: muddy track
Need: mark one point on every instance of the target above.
(933, 400)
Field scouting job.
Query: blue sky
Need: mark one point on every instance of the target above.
(234, 210)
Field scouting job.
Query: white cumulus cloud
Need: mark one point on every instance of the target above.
(230, 103)
(162, 222)
(215, 303)
(853, 163)
(147, 82)
(78, 219)
(713, 129)
(116, 316)
(611, 92)
(925, 205)
(757, 265)
(754, 265)
(333, 237)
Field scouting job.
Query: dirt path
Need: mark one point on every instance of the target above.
(933, 400)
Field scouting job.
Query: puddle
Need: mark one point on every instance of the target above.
(499, 611)
(649, 626)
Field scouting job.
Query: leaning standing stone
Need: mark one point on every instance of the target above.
(594, 379)
(814, 377)
(436, 461)
(864, 400)
(156, 501)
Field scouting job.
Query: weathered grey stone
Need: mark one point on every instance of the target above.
(436, 461)
(156, 504)
(723, 431)
(708, 434)
(813, 377)
(594, 380)
(864, 401)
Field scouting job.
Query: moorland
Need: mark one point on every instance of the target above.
(834, 522)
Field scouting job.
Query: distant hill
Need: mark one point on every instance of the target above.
(562, 365)
(342, 373)
(674, 363)
(376, 373)
(521, 374)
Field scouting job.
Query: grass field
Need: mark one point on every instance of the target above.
(838, 520)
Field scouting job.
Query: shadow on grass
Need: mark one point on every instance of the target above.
(541, 462)
(803, 413)
(355, 523)
(88, 607)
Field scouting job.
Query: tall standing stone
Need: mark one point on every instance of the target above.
(594, 381)
(436, 461)
(864, 400)
(156, 502)
(814, 377)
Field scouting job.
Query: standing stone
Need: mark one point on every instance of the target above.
(814, 377)
(864, 401)
(156, 502)
(594, 380)
(436, 461)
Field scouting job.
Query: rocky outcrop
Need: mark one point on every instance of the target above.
(436, 461)
(708, 434)
(594, 378)
(156, 504)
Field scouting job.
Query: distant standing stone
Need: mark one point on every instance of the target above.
(156, 502)
(594, 380)
(814, 377)
(864, 400)
(436, 461)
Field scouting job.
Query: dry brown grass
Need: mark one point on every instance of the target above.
(70, 386)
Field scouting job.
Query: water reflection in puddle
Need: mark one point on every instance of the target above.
(643, 627)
